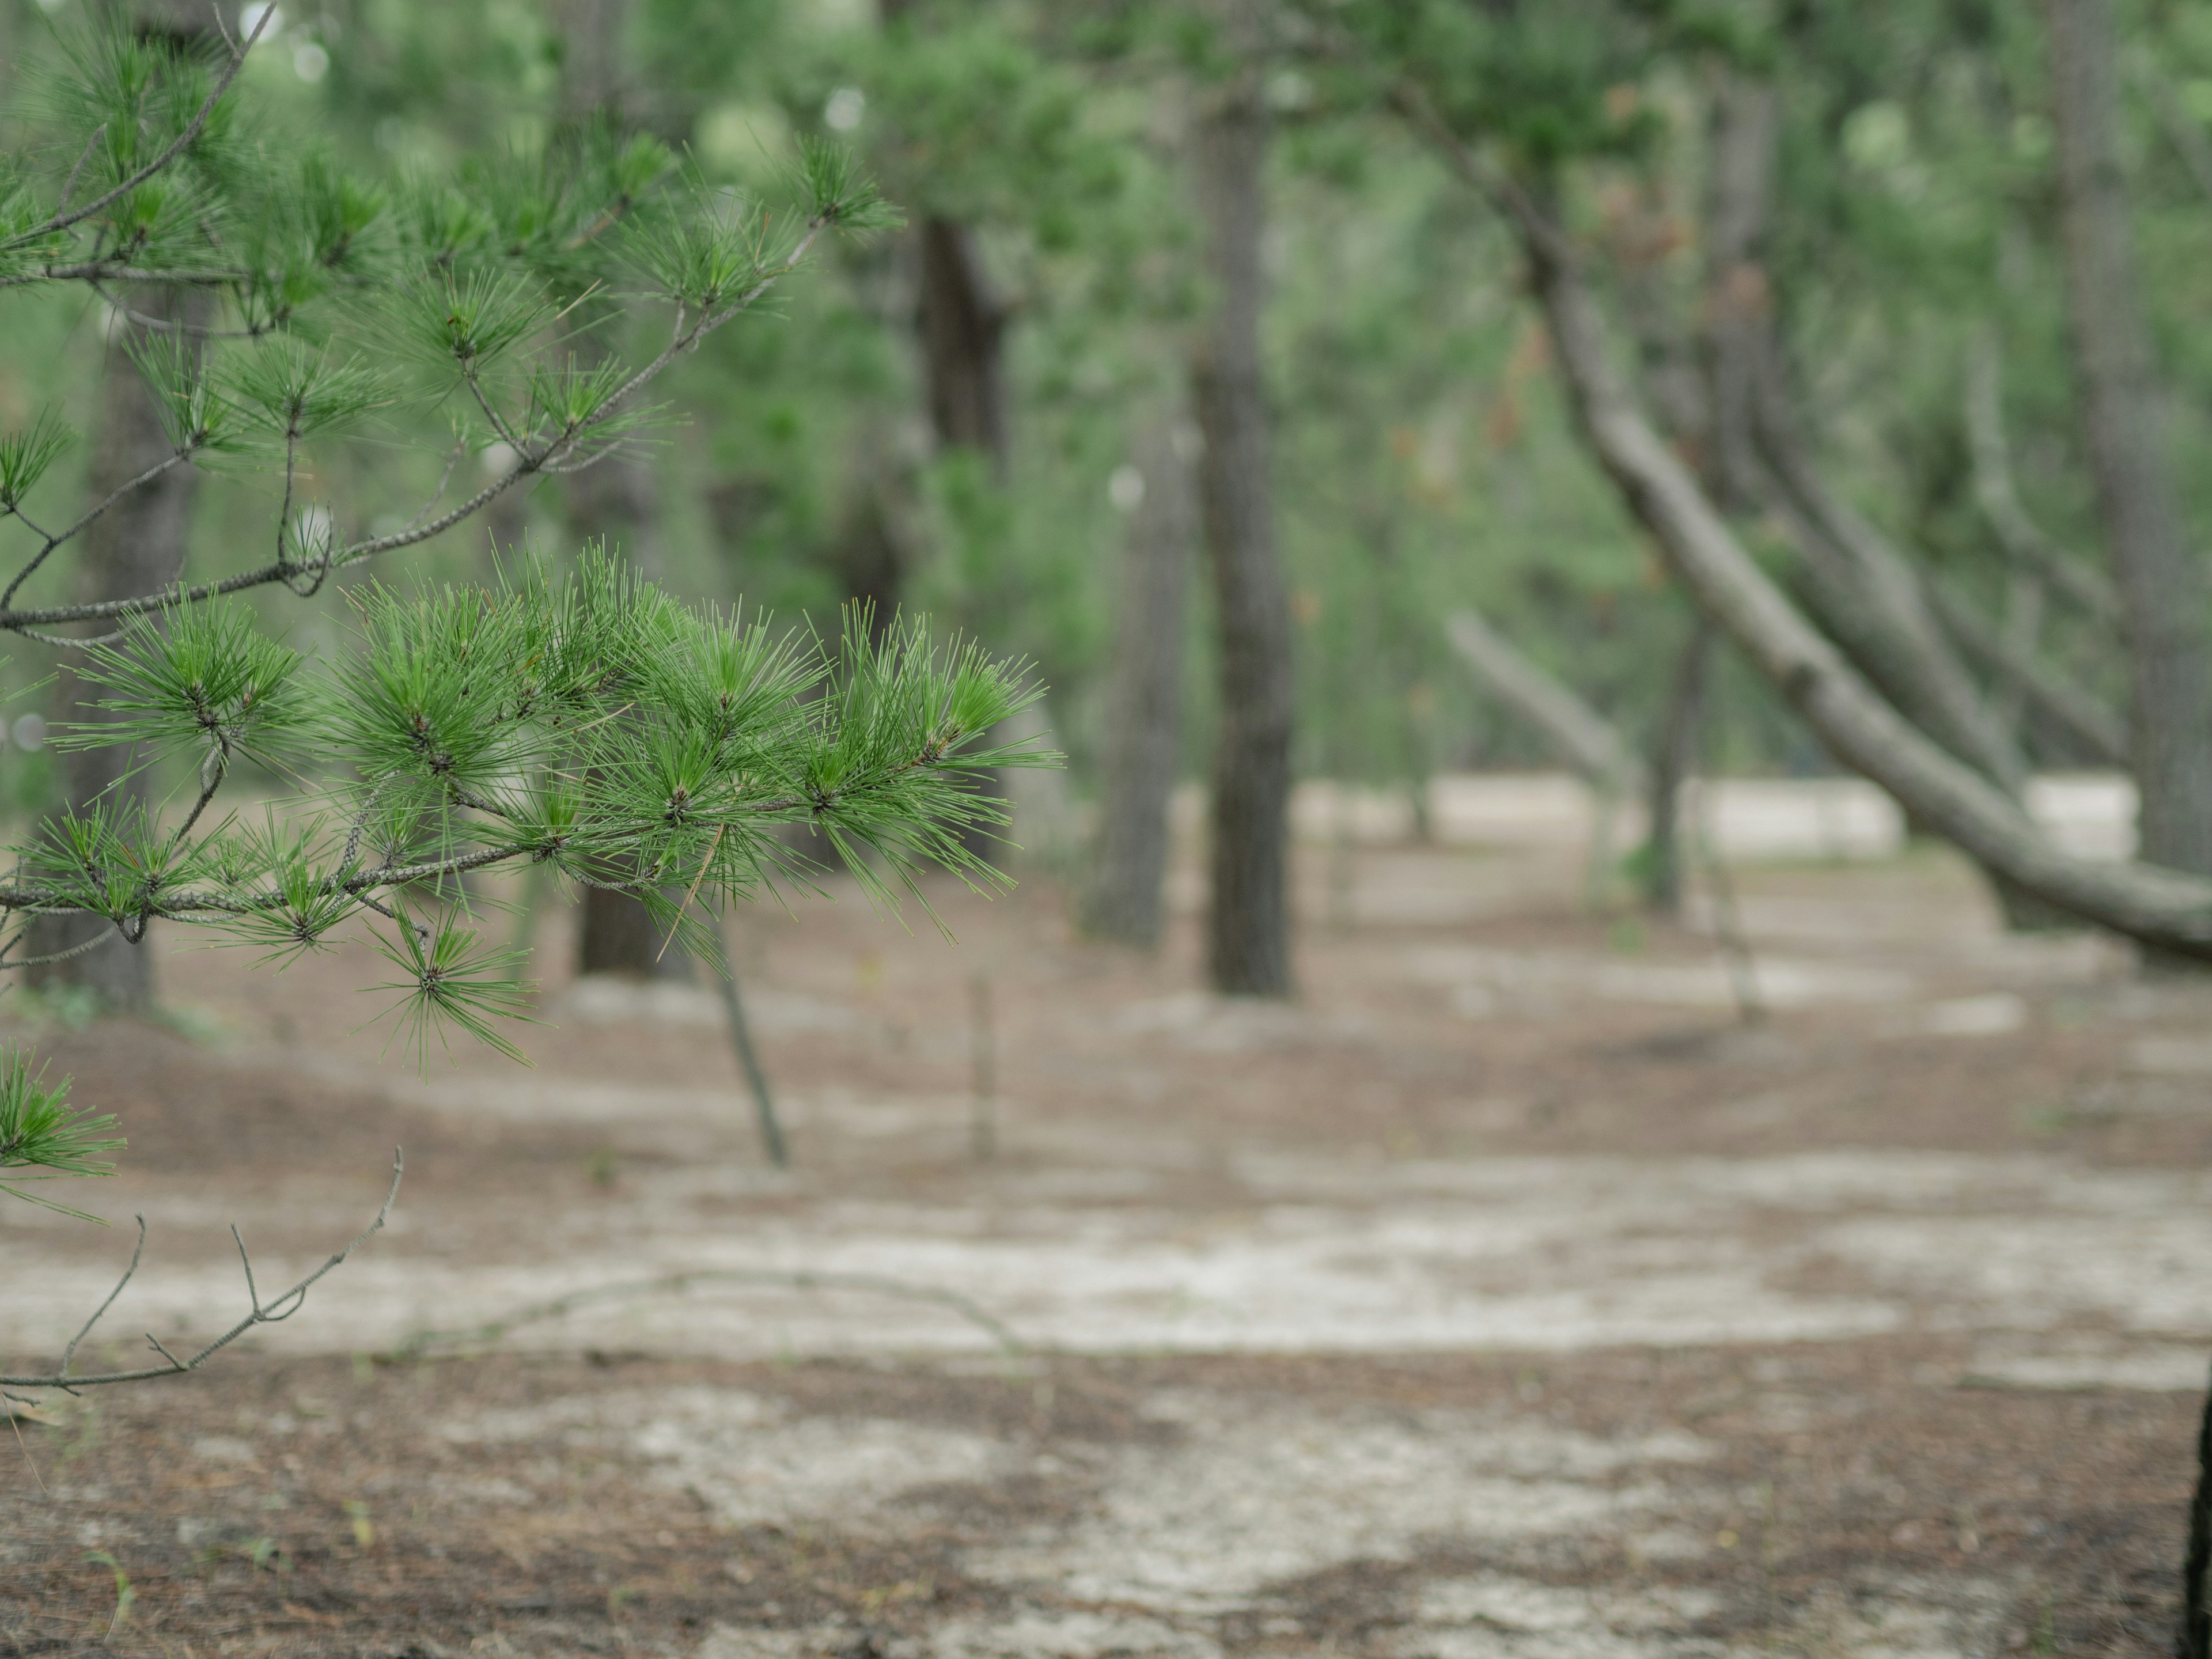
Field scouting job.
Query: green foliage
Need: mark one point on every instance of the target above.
(578, 719)
(41, 1131)
(574, 719)
(26, 455)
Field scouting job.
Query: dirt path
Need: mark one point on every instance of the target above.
(1507, 1295)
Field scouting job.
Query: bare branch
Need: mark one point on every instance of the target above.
(69, 1354)
(262, 1314)
(112, 496)
(91, 945)
(107, 269)
(68, 184)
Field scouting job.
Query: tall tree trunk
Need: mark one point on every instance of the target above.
(1248, 925)
(135, 547)
(1739, 306)
(1144, 710)
(961, 322)
(2162, 590)
(613, 499)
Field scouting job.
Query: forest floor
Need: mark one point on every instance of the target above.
(1508, 1295)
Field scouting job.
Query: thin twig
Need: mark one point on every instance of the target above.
(93, 944)
(263, 1314)
(558, 451)
(68, 184)
(69, 1354)
(109, 500)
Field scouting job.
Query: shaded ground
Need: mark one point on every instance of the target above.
(1507, 1297)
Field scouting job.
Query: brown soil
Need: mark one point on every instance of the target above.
(1509, 1296)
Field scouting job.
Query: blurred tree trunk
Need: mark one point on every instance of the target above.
(2165, 910)
(1247, 926)
(2162, 591)
(1864, 593)
(614, 499)
(1735, 319)
(1673, 761)
(137, 546)
(962, 323)
(1144, 707)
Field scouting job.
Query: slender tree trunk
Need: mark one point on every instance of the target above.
(614, 499)
(1581, 735)
(2195, 1634)
(2162, 589)
(1248, 931)
(1739, 307)
(962, 323)
(2166, 909)
(1144, 719)
(1674, 759)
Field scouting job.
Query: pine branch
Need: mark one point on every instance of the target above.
(63, 220)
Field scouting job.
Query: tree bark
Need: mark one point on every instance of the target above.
(1248, 922)
(1584, 738)
(962, 323)
(2088, 724)
(1144, 717)
(2164, 908)
(1675, 758)
(135, 547)
(615, 498)
(2162, 591)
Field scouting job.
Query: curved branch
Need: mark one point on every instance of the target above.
(263, 1313)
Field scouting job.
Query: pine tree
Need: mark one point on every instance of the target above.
(568, 713)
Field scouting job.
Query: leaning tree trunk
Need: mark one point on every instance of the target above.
(1866, 594)
(2162, 585)
(2165, 909)
(136, 547)
(1247, 923)
(1144, 708)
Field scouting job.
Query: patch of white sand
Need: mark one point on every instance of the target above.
(749, 1460)
(1248, 1498)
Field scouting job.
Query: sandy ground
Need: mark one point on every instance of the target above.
(1506, 1295)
